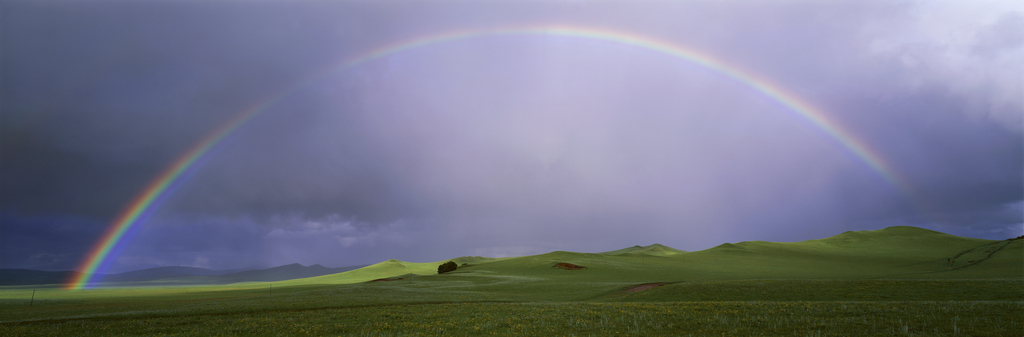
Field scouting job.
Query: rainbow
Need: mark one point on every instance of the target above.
(161, 187)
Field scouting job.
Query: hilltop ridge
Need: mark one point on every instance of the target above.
(656, 249)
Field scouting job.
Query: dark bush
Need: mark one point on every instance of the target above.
(447, 267)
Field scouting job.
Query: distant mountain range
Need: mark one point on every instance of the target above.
(173, 275)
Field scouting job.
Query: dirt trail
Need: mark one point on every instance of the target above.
(386, 279)
(974, 255)
(642, 287)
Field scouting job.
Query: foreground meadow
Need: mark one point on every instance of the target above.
(733, 318)
(419, 306)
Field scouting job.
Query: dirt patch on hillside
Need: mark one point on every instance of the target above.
(568, 266)
(387, 279)
(642, 287)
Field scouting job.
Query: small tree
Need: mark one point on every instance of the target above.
(447, 267)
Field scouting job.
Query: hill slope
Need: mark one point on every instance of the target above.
(894, 252)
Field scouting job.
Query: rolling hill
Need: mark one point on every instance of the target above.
(900, 252)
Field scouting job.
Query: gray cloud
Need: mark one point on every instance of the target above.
(1004, 35)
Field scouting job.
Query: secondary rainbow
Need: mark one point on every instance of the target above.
(162, 187)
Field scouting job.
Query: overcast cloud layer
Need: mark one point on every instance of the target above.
(500, 145)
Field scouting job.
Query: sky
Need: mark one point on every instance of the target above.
(498, 144)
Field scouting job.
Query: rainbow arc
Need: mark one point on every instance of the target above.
(162, 186)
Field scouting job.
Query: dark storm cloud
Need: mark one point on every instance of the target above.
(504, 145)
(45, 242)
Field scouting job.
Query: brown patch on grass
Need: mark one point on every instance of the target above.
(642, 287)
(568, 266)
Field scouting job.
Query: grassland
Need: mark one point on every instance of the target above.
(897, 281)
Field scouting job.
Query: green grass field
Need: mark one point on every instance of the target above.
(896, 281)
